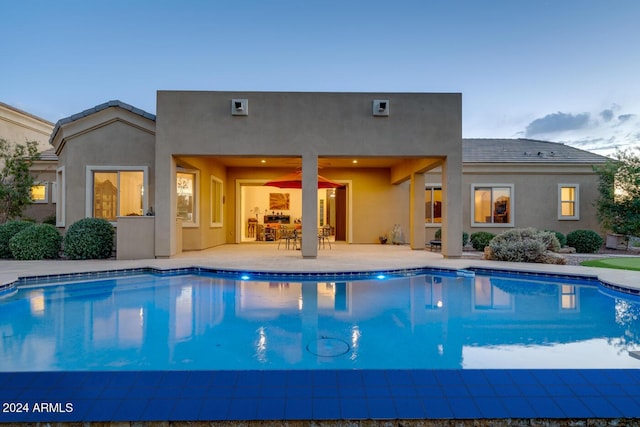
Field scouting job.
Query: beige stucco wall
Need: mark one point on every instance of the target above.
(308, 125)
(17, 126)
(115, 140)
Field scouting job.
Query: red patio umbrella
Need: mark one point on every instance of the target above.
(294, 180)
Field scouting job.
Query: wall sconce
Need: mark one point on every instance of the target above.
(381, 107)
(239, 107)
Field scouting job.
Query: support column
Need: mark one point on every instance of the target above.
(165, 208)
(452, 207)
(309, 206)
(416, 211)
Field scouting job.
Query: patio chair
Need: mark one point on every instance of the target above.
(323, 236)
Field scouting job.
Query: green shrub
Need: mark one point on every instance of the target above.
(585, 241)
(480, 239)
(523, 245)
(562, 239)
(7, 231)
(40, 241)
(51, 219)
(89, 238)
(465, 236)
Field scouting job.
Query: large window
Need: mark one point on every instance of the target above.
(492, 205)
(568, 198)
(433, 205)
(117, 192)
(186, 188)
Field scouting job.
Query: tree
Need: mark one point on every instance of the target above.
(619, 200)
(15, 179)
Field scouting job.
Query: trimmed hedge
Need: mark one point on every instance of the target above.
(480, 239)
(40, 241)
(585, 241)
(89, 238)
(562, 239)
(7, 231)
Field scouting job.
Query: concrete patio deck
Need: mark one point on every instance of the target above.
(342, 257)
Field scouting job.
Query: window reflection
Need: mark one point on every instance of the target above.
(568, 297)
(487, 296)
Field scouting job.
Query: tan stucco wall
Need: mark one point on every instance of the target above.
(17, 126)
(116, 143)
(535, 195)
(305, 125)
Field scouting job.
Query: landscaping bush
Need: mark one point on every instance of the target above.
(51, 219)
(7, 231)
(585, 241)
(465, 236)
(481, 239)
(89, 238)
(523, 245)
(40, 241)
(562, 239)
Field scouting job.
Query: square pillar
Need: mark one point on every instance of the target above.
(309, 206)
(452, 207)
(416, 211)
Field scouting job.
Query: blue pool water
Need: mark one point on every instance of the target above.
(204, 321)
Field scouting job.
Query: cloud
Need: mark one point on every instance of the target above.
(607, 115)
(624, 117)
(557, 122)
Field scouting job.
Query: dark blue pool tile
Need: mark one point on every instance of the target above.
(430, 391)
(437, 408)
(114, 393)
(455, 390)
(403, 390)
(558, 390)
(409, 408)
(224, 379)
(584, 390)
(274, 379)
(545, 376)
(199, 379)
(378, 391)
(490, 407)
(103, 410)
(399, 377)
(601, 407)
(573, 407)
(353, 392)
(326, 409)
(518, 407)
(381, 408)
(298, 409)
(610, 390)
(464, 408)
(507, 390)
(158, 409)
(215, 409)
(424, 377)
(523, 377)
(249, 379)
(571, 377)
(243, 409)
(325, 379)
(326, 391)
(448, 377)
(350, 378)
(148, 379)
(480, 390)
(122, 379)
(185, 410)
(374, 378)
(545, 407)
(354, 408)
(628, 407)
(474, 377)
(271, 409)
(299, 379)
(499, 378)
(130, 410)
(532, 390)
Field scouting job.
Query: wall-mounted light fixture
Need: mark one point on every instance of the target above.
(239, 107)
(380, 107)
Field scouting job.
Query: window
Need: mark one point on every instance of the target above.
(568, 206)
(492, 205)
(116, 191)
(433, 205)
(186, 190)
(59, 197)
(216, 202)
(40, 193)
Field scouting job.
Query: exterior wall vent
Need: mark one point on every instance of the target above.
(239, 107)
(380, 107)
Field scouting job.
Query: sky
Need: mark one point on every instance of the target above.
(561, 70)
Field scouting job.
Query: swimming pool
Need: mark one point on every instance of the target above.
(199, 320)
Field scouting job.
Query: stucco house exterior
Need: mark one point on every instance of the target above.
(18, 126)
(192, 176)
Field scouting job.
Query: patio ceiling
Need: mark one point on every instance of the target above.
(323, 162)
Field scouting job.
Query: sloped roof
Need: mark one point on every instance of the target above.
(49, 155)
(524, 151)
(97, 108)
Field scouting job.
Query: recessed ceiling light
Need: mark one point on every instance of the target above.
(354, 161)
(263, 161)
